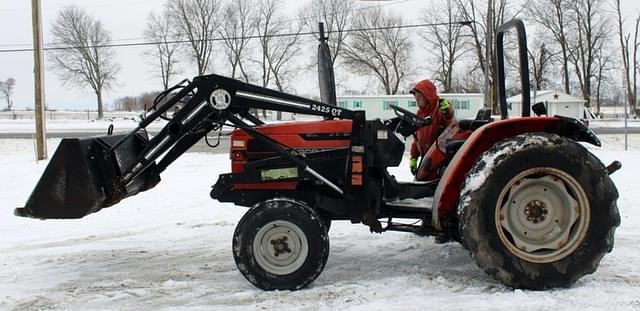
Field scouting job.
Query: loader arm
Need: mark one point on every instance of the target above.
(109, 168)
(218, 101)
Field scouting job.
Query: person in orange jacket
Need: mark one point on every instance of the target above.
(441, 113)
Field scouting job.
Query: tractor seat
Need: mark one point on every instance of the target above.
(483, 117)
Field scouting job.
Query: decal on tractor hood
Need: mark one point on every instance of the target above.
(279, 173)
(334, 111)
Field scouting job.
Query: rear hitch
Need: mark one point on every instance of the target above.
(613, 167)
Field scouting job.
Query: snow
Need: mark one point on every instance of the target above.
(425, 203)
(120, 124)
(475, 180)
(598, 123)
(170, 249)
(98, 126)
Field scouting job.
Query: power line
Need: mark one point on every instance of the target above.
(279, 22)
(121, 3)
(136, 44)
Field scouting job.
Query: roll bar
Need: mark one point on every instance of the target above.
(524, 67)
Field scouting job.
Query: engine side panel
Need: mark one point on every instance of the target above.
(304, 137)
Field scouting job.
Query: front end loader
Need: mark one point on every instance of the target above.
(534, 207)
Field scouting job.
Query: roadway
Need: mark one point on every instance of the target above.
(223, 147)
(201, 146)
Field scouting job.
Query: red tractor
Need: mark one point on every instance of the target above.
(533, 206)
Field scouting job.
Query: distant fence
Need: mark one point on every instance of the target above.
(68, 115)
(93, 115)
(613, 112)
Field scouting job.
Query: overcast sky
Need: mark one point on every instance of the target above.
(125, 19)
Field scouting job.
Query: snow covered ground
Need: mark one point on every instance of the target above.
(98, 126)
(170, 249)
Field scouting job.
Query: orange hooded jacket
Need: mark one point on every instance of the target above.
(427, 135)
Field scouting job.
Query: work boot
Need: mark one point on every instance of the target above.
(369, 219)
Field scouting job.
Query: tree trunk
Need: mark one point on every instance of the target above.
(599, 83)
(635, 67)
(280, 88)
(244, 74)
(565, 69)
(233, 71)
(493, 91)
(100, 107)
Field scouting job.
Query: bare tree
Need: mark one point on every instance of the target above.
(127, 103)
(444, 40)
(629, 57)
(483, 38)
(380, 48)
(468, 81)
(166, 43)
(6, 91)
(279, 43)
(541, 61)
(591, 27)
(237, 27)
(83, 59)
(552, 16)
(603, 65)
(198, 21)
(338, 17)
(141, 102)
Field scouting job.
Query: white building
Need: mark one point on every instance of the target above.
(557, 103)
(377, 106)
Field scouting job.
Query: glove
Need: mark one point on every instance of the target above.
(413, 165)
(443, 105)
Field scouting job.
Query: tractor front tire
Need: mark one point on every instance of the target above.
(538, 211)
(281, 244)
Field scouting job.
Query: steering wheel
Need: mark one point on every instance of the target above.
(408, 116)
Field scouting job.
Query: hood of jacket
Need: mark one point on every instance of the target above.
(428, 90)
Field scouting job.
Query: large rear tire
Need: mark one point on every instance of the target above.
(538, 211)
(281, 244)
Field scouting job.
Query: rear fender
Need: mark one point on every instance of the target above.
(448, 191)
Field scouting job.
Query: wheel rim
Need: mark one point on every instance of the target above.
(542, 215)
(280, 247)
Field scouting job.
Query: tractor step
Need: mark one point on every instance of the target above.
(411, 205)
(418, 228)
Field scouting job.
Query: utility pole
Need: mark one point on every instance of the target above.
(488, 95)
(41, 146)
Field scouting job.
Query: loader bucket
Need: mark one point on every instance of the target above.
(85, 176)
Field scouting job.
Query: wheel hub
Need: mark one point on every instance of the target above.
(280, 247)
(544, 215)
(536, 211)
